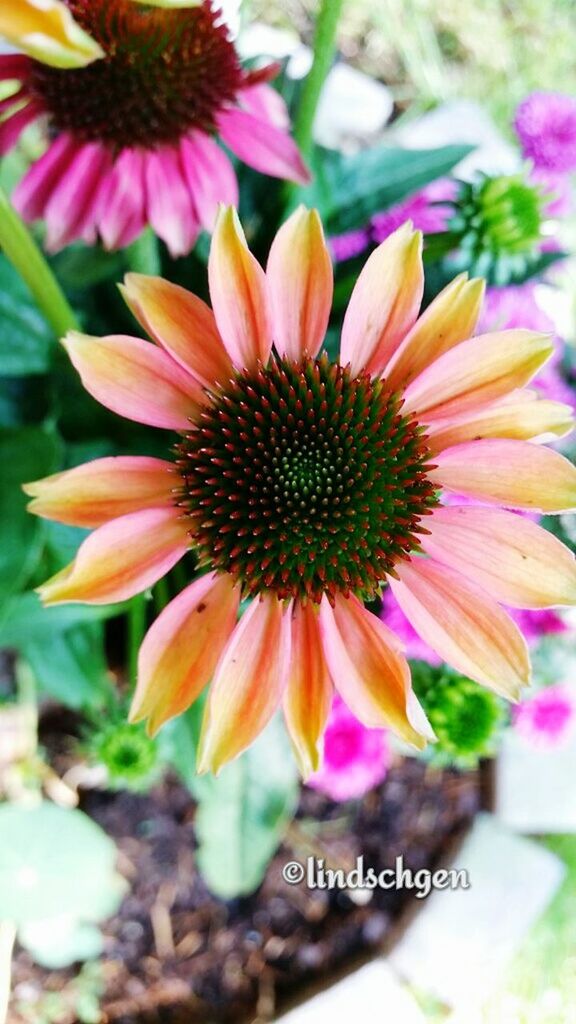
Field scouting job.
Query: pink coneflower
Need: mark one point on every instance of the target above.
(133, 136)
(355, 758)
(549, 718)
(545, 123)
(304, 485)
(429, 210)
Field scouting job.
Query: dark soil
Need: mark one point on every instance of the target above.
(175, 954)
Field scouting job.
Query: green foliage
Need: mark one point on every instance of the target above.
(466, 717)
(243, 813)
(25, 339)
(128, 754)
(57, 879)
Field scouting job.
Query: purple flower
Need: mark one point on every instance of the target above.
(355, 758)
(545, 123)
(350, 244)
(548, 718)
(428, 210)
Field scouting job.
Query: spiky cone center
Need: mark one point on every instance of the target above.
(303, 480)
(164, 73)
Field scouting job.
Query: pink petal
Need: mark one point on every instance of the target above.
(513, 473)
(121, 559)
(510, 557)
(169, 204)
(14, 66)
(135, 379)
(265, 103)
(300, 285)
(12, 127)
(308, 696)
(182, 648)
(261, 145)
(71, 208)
(384, 303)
(210, 176)
(463, 625)
(32, 193)
(248, 683)
(520, 415)
(122, 213)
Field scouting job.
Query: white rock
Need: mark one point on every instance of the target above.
(534, 789)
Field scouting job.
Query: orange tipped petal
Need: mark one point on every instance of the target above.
(121, 559)
(478, 371)
(520, 415)
(248, 683)
(308, 695)
(465, 627)
(238, 292)
(369, 672)
(135, 379)
(182, 324)
(512, 558)
(93, 494)
(385, 302)
(512, 473)
(181, 650)
(46, 31)
(448, 320)
(301, 284)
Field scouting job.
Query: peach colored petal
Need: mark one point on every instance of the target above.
(248, 683)
(516, 474)
(308, 696)
(181, 323)
(465, 627)
(238, 292)
(449, 319)
(181, 649)
(121, 559)
(477, 372)
(520, 415)
(369, 671)
(135, 379)
(301, 284)
(46, 31)
(93, 494)
(384, 303)
(510, 557)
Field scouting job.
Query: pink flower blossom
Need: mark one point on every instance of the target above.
(545, 123)
(548, 719)
(429, 210)
(355, 758)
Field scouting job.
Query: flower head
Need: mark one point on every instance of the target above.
(464, 716)
(304, 486)
(355, 758)
(549, 718)
(133, 135)
(545, 123)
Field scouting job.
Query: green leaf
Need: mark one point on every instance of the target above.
(71, 666)
(375, 179)
(60, 942)
(25, 338)
(25, 455)
(24, 619)
(179, 740)
(243, 813)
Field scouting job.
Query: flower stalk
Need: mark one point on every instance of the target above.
(324, 49)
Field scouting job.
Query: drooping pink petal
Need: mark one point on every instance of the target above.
(182, 324)
(33, 191)
(210, 176)
(463, 625)
(510, 557)
(308, 695)
(14, 66)
(369, 670)
(266, 103)
(122, 214)
(520, 415)
(96, 492)
(121, 559)
(449, 319)
(239, 295)
(516, 474)
(477, 372)
(182, 648)
(248, 683)
(301, 284)
(12, 127)
(135, 379)
(384, 303)
(262, 145)
(72, 206)
(169, 204)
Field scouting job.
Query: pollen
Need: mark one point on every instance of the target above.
(304, 480)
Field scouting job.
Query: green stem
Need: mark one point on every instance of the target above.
(324, 50)
(143, 256)
(20, 248)
(161, 595)
(136, 630)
